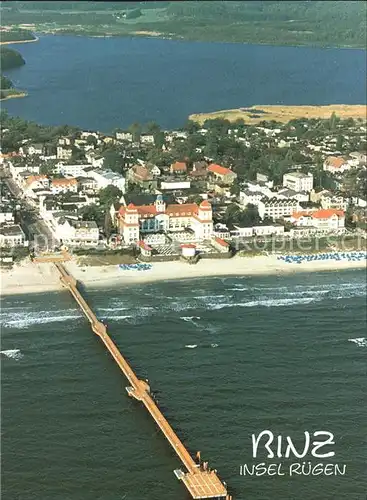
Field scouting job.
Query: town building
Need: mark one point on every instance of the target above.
(268, 230)
(64, 152)
(32, 149)
(336, 164)
(15, 170)
(359, 158)
(260, 187)
(322, 220)
(275, 208)
(71, 170)
(141, 175)
(188, 250)
(288, 194)
(147, 139)
(106, 178)
(87, 184)
(175, 184)
(133, 219)
(95, 159)
(220, 245)
(179, 167)
(298, 181)
(250, 197)
(337, 202)
(64, 185)
(30, 183)
(124, 136)
(6, 214)
(75, 232)
(12, 236)
(223, 174)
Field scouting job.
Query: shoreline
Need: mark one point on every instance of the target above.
(14, 96)
(177, 37)
(28, 277)
(20, 41)
(283, 113)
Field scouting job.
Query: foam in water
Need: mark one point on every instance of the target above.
(12, 354)
(29, 319)
(360, 342)
(267, 303)
(118, 317)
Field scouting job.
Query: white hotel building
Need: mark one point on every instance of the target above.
(298, 181)
(276, 208)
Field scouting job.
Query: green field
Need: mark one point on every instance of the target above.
(316, 23)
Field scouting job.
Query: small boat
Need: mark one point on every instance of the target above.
(191, 346)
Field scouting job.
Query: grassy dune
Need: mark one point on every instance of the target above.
(284, 114)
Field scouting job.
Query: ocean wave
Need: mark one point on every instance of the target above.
(267, 303)
(29, 319)
(118, 317)
(189, 318)
(212, 296)
(13, 354)
(360, 341)
(111, 309)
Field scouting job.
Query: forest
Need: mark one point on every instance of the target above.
(10, 58)
(315, 23)
(17, 35)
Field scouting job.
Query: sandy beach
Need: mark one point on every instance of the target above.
(29, 277)
(283, 113)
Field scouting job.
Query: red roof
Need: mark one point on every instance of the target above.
(35, 178)
(319, 214)
(188, 245)
(131, 207)
(205, 205)
(141, 172)
(63, 182)
(218, 169)
(326, 214)
(298, 215)
(182, 210)
(147, 210)
(178, 165)
(221, 242)
(335, 161)
(143, 245)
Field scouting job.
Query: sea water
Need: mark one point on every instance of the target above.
(284, 354)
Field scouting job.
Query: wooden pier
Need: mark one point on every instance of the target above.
(200, 481)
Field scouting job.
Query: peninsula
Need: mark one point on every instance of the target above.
(9, 36)
(9, 59)
(283, 113)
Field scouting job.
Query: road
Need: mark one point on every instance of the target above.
(37, 231)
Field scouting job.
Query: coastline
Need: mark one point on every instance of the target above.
(69, 31)
(14, 96)
(28, 277)
(283, 113)
(20, 41)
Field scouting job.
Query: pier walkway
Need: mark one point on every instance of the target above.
(200, 481)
